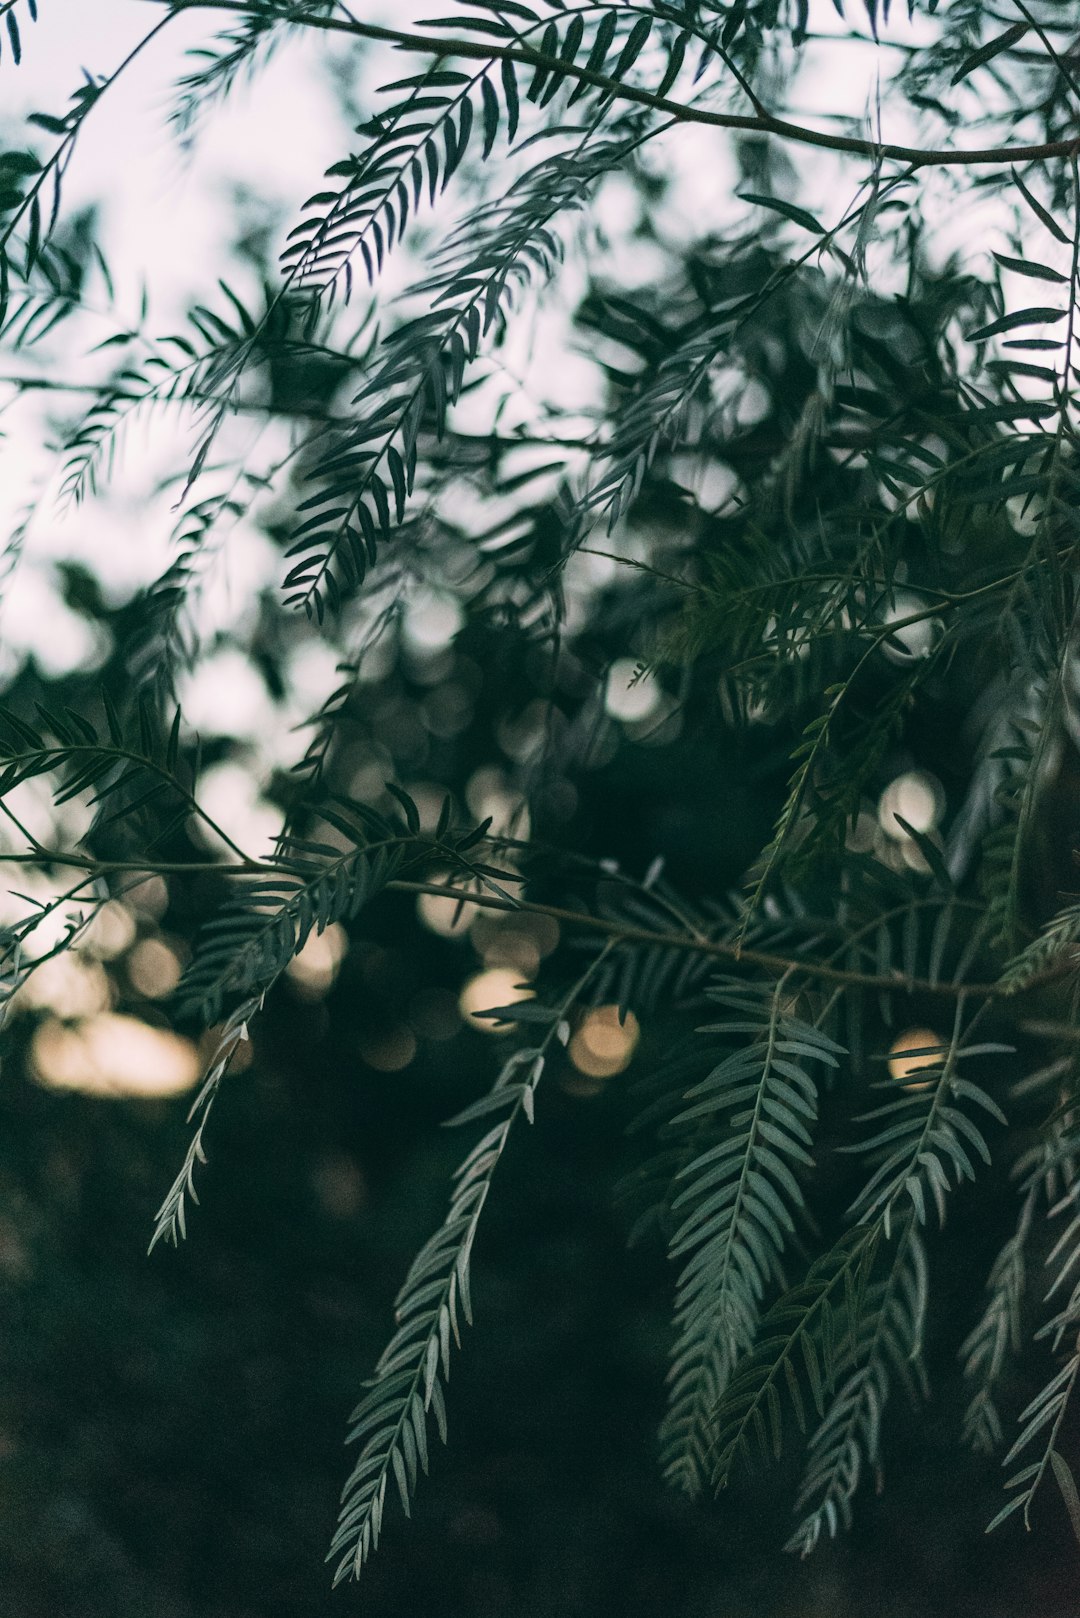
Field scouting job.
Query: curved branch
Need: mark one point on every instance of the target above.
(766, 124)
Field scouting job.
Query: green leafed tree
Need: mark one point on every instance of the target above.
(806, 543)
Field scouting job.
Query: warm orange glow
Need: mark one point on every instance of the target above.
(498, 986)
(902, 1066)
(602, 1046)
(114, 1056)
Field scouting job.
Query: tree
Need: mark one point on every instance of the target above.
(833, 468)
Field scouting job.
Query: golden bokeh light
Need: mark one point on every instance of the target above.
(448, 917)
(312, 972)
(112, 1056)
(70, 985)
(902, 1065)
(150, 897)
(497, 986)
(111, 932)
(602, 1046)
(516, 940)
(153, 968)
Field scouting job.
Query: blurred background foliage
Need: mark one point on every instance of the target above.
(170, 1430)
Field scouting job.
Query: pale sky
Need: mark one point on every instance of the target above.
(167, 218)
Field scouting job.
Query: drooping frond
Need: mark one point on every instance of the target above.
(1041, 1420)
(170, 1221)
(995, 1337)
(1046, 1174)
(839, 470)
(855, 1325)
(922, 1140)
(796, 1351)
(736, 1203)
(236, 55)
(881, 1347)
(131, 778)
(1057, 944)
(391, 1421)
(367, 473)
(182, 369)
(415, 146)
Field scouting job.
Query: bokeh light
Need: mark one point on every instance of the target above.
(111, 932)
(434, 1014)
(601, 1045)
(313, 969)
(150, 897)
(918, 797)
(903, 1065)
(71, 985)
(446, 916)
(914, 640)
(432, 621)
(153, 968)
(241, 1057)
(497, 986)
(114, 1056)
(513, 939)
(628, 698)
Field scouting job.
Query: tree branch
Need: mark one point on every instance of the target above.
(622, 932)
(431, 45)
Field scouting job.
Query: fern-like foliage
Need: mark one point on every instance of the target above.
(368, 473)
(310, 886)
(854, 1327)
(236, 55)
(924, 1139)
(133, 776)
(1041, 1421)
(881, 1346)
(834, 474)
(996, 1336)
(1042, 1418)
(391, 1422)
(736, 1203)
(1045, 1173)
(170, 1221)
(796, 1352)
